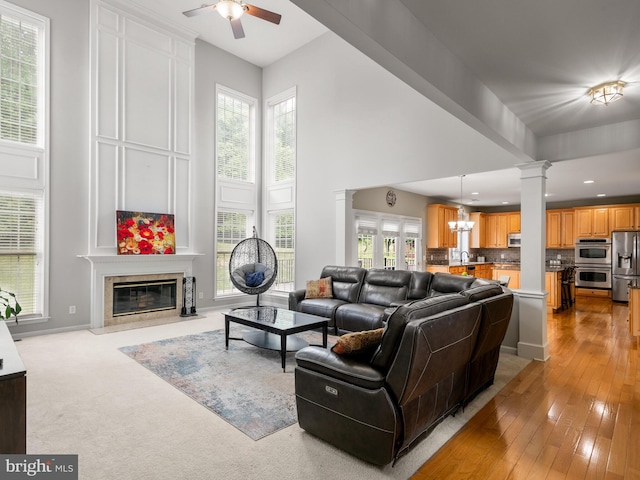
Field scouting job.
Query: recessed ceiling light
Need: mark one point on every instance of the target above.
(601, 195)
(505, 203)
(589, 181)
(475, 193)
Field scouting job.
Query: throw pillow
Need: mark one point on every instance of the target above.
(254, 279)
(358, 342)
(319, 288)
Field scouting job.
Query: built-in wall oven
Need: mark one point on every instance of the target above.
(593, 277)
(593, 251)
(593, 263)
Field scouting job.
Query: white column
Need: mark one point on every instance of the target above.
(533, 297)
(345, 229)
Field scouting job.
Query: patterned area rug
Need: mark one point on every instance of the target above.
(244, 385)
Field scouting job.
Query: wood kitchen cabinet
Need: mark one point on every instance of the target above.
(496, 234)
(484, 270)
(438, 232)
(514, 280)
(513, 222)
(625, 217)
(592, 222)
(477, 236)
(560, 228)
(634, 311)
(553, 285)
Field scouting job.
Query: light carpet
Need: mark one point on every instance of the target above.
(85, 397)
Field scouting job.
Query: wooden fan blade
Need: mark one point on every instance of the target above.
(236, 26)
(200, 10)
(262, 13)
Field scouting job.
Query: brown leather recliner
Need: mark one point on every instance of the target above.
(376, 408)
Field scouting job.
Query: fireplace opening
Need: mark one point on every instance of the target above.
(131, 298)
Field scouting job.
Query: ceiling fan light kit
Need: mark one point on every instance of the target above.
(232, 10)
(607, 92)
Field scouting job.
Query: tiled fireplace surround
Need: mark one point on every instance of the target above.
(105, 269)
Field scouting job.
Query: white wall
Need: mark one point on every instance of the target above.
(359, 126)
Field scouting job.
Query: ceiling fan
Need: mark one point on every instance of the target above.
(233, 10)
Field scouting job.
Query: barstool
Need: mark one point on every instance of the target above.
(566, 281)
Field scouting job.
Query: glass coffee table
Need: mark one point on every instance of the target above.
(276, 328)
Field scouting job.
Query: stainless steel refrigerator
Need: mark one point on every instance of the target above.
(625, 268)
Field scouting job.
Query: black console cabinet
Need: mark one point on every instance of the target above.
(13, 396)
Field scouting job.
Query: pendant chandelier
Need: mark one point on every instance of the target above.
(462, 225)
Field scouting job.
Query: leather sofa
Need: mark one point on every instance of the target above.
(436, 354)
(363, 299)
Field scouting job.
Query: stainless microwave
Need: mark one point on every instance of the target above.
(513, 240)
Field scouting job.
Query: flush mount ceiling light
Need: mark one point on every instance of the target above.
(606, 93)
(462, 225)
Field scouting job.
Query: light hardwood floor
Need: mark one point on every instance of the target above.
(576, 416)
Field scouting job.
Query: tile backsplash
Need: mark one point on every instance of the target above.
(442, 256)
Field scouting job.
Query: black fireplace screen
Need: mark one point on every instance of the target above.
(130, 298)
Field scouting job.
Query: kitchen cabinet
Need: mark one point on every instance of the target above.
(634, 311)
(438, 268)
(553, 285)
(592, 222)
(496, 234)
(438, 232)
(513, 222)
(625, 217)
(477, 236)
(484, 270)
(514, 281)
(560, 228)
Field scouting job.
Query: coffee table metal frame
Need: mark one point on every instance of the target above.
(290, 323)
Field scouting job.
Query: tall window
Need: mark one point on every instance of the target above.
(235, 169)
(280, 184)
(284, 246)
(231, 228)
(23, 104)
(367, 231)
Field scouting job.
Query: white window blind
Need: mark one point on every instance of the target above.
(284, 246)
(284, 133)
(21, 248)
(390, 228)
(234, 138)
(231, 228)
(367, 226)
(412, 230)
(20, 52)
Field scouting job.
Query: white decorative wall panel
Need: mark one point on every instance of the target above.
(142, 88)
(182, 206)
(151, 37)
(280, 197)
(106, 192)
(147, 96)
(107, 79)
(182, 120)
(236, 196)
(19, 166)
(146, 181)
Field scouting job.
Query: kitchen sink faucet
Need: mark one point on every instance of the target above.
(461, 259)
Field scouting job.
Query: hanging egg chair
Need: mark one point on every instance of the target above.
(253, 266)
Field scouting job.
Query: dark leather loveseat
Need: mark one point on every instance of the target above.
(363, 299)
(436, 355)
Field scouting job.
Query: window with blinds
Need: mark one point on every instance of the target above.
(284, 246)
(235, 136)
(231, 229)
(20, 60)
(284, 136)
(20, 248)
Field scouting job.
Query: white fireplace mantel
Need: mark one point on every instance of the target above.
(122, 265)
